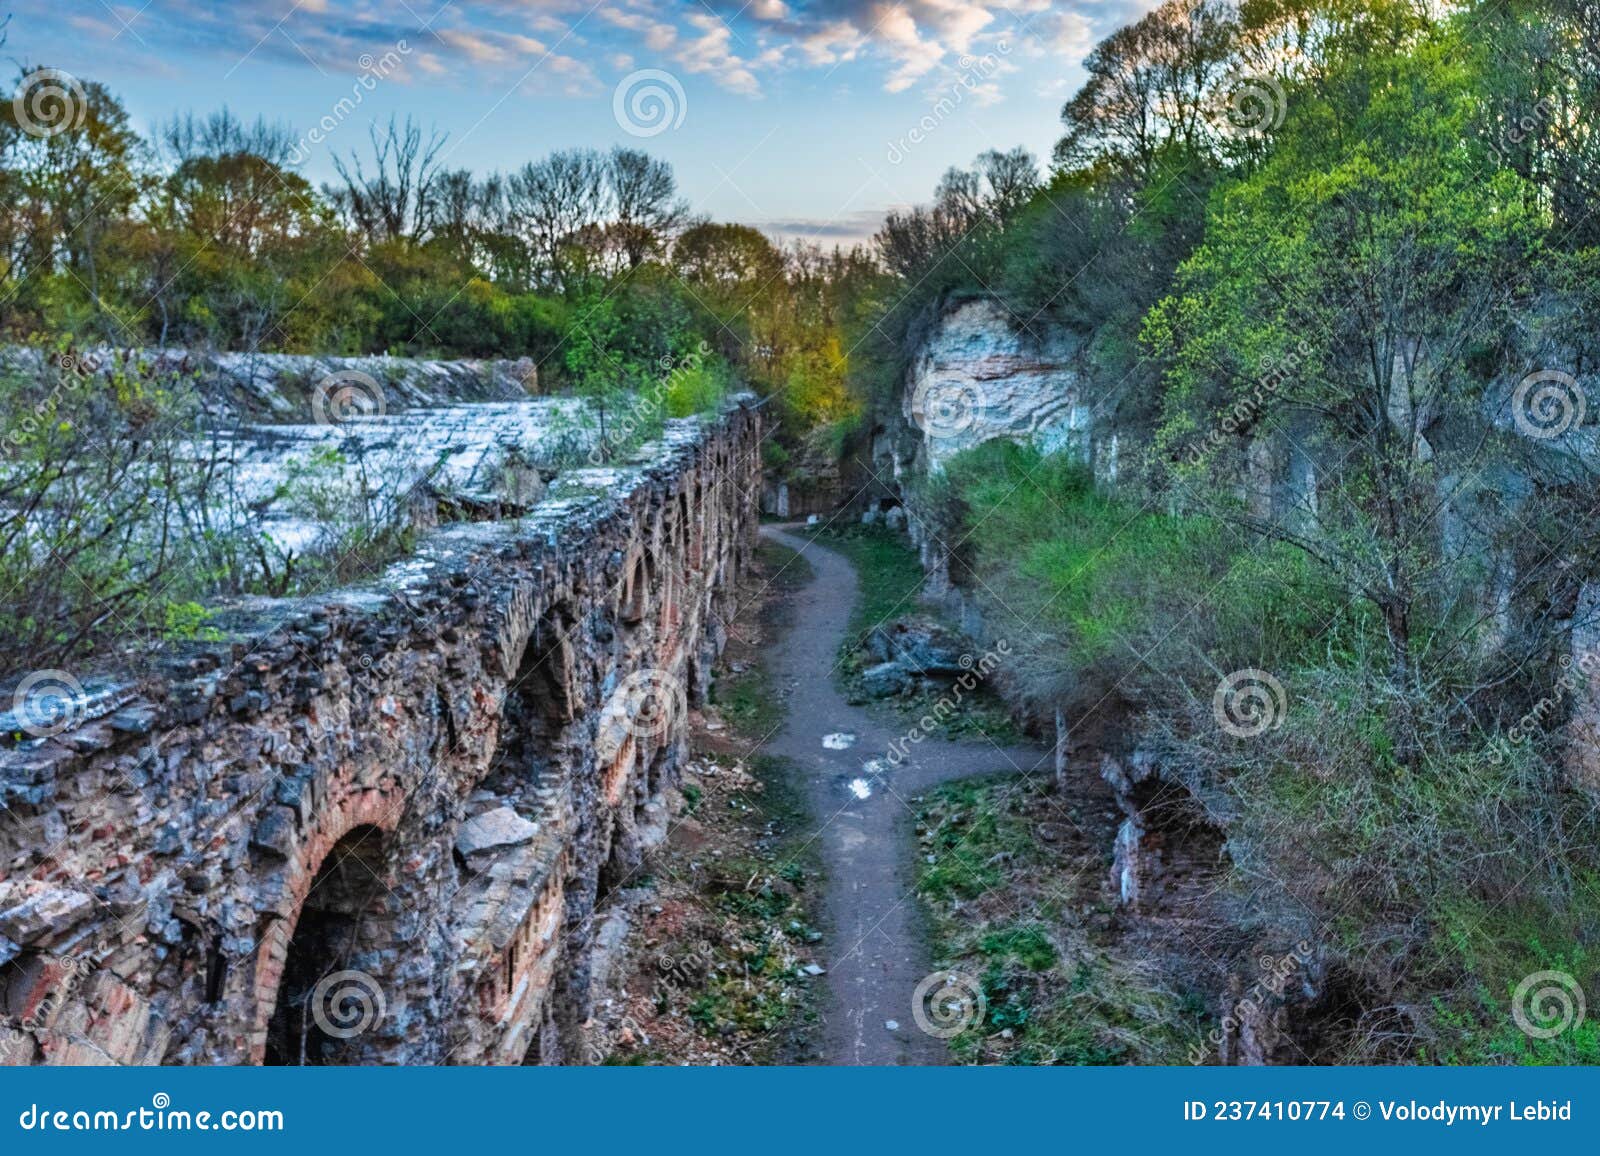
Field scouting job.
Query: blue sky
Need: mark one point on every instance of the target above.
(803, 117)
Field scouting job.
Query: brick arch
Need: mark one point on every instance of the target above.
(351, 808)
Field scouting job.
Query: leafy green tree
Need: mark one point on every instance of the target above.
(1336, 310)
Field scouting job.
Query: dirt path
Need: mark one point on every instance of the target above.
(876, 948)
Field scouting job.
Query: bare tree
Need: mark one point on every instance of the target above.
(188, 137)
(398, 198)
(551, 203)
(644, 200)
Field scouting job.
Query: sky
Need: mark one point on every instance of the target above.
(806, 118)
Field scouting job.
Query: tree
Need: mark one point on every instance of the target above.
(397, 199)
(69, 187)
(643, 196)
(1335, 311)
(1150, 84)
(551, 204)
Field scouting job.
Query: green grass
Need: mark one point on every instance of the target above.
(747, 699)
(1063, 999)
(890, 578)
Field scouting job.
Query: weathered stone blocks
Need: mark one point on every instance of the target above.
(283, 808)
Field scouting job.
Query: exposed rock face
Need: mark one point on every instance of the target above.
(975, 379)
(252, 853)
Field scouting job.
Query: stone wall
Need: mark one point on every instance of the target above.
(376, 827)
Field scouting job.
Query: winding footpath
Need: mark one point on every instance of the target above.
(876, 946)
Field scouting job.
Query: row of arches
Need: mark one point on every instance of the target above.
(545, 729)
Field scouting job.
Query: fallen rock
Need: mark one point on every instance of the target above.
(45, 916)
(921, 646)
(493, 830)
(885, 680)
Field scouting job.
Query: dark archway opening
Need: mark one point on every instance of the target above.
(537, 710)
(345, 898)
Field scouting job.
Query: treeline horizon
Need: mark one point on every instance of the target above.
(587, 261)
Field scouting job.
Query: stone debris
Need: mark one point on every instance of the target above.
(493, 831)
(885, 680)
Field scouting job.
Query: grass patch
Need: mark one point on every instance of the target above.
(747, 698)
(1006, 911)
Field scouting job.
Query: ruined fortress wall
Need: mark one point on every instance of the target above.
(376, 827)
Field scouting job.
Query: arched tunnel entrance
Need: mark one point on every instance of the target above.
(320, 1012)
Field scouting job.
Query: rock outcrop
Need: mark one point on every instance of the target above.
(377, 826)
(975, 379)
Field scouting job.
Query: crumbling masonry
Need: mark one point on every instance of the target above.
(375, 828)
